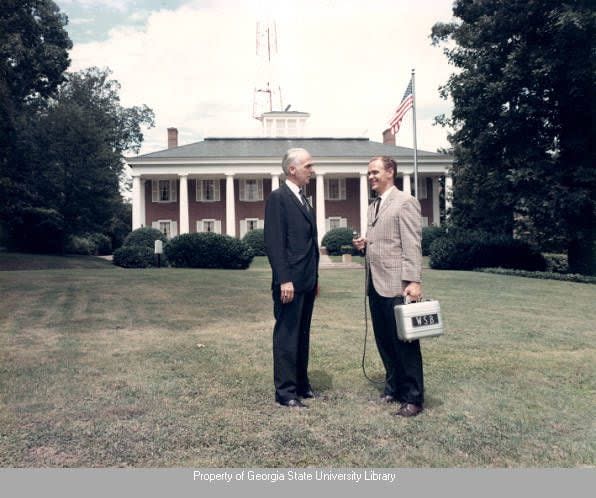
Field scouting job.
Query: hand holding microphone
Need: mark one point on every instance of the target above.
(358, 242)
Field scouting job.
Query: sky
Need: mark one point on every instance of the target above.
(194, 62)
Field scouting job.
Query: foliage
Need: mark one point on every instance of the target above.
(70, 153)
(208, 250)
(335, 238)
(33, 57)
(95, 244)
(475, 249)
(144, 237)
(120, 223)
(37, 230)
(429, 235)
(134, 257)
(523, 109)
(556, 263)
(256, 240)
(544, 275)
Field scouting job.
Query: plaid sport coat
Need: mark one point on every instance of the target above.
(393, 250)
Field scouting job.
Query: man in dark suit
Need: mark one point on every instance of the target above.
(293, 252)
(394, 267)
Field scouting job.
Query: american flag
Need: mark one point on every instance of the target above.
(404, 106)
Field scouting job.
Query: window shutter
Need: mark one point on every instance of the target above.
(198, 193)
(174, 228)
(261, 224)
(173, 184)
(422, 193)
(199, 226)
(241, 189)
(343, 222)
(154, 191)
(260, 189)
(342, 189)
(326, 190)
(155, 224)
(218, 226)
(242, 228)
(327, 224)
(216, 188)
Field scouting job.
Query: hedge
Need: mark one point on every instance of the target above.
(462, 250)
(335, 238)
(566, 277)
(256, 240)
(429, 235)
(208, 250)
(144, 237)
(134, 257)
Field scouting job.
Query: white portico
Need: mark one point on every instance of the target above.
(221, 184)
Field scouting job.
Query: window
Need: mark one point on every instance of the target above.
(292, 128)
(335, 222)
(168, 227)
(250, 224)
(209, 226)
(335, 189)
(251, 190)
(208, 190)
(163, 190)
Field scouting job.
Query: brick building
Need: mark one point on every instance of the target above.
(221, 184)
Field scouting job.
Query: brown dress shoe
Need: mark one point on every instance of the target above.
(408, 410)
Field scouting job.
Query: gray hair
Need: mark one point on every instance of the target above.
(290, 157)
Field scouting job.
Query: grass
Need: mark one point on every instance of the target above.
(172, 368)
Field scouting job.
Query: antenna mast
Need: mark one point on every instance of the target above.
(267, 93)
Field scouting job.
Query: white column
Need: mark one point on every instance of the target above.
(436, 207)
(448, 192)
(320, 206)
(136, 202)
(363, 203)
(184, 226)
(407, 185)
(143, 212)
(274, 181)
(230, 206)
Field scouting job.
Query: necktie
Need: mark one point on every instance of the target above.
(304, 200)
(377, 204)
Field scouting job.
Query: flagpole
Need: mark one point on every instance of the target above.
(415, 146)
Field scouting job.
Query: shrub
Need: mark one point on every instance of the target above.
(556, 263)
(96, 244)
(337, 237)
(566, 277)
(256, 240)
(79, 245)
(461, 250)
(134, 257)
(208, 250)
(144, 237)
(429, 235)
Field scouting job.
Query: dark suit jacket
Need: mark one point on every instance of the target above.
(291, 240)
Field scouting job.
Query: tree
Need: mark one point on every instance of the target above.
(74, 149)
(523, 119)
(33, 57)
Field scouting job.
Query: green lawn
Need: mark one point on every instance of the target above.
(171, 367)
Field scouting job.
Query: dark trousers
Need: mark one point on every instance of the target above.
(291, 339)
(402, 360)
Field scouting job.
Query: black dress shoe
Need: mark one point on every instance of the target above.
(408, 410)
(293, 403)
(309, 394)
